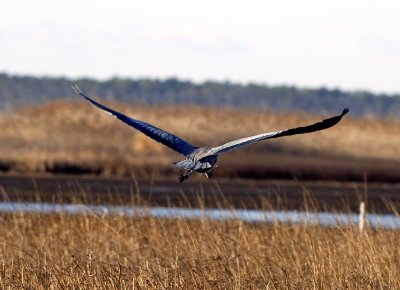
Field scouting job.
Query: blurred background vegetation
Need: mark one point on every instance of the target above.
(25, 90)
(47, 129)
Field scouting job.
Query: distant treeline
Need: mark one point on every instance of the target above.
(25, 90)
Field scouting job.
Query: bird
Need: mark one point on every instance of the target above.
(204, 159)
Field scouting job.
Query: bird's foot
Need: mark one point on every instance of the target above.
(183, 177)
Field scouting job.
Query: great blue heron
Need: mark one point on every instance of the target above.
(203, 159)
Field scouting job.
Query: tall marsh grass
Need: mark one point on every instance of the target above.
(58, 251)
(93, 251)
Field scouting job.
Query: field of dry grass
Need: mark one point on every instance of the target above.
(58, 251)
(75, 137)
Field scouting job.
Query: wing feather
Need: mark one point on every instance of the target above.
(324, 124)
(151, 131)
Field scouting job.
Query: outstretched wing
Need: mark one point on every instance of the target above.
(155, 133)
(300, 130)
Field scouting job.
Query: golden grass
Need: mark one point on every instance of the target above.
(57, 251)
(41, 139)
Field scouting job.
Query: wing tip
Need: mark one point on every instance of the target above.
(79, 92)
(76, 89)
(345, 111)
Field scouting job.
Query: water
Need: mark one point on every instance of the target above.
(326, 219)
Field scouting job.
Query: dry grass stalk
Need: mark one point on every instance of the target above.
(361, 223)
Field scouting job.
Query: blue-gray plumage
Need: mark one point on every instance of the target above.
(203, 159)
(155, 133)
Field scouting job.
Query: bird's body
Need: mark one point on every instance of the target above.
(201, 160)
(204, 159)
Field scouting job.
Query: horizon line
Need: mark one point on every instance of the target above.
(201, 82)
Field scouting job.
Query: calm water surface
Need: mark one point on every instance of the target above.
(294, 217)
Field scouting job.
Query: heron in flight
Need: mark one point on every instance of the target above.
(204, 159)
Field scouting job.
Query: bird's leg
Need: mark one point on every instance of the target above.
(183, 177)
(210, 173)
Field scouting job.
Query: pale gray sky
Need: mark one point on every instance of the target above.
(350, 44)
